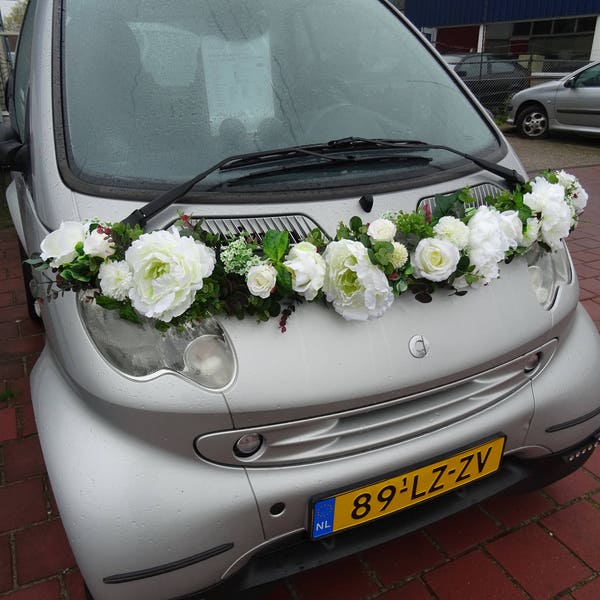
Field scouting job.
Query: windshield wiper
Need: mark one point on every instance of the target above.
(510, 175)
(140, 216)
(348, 158)
(323, 153)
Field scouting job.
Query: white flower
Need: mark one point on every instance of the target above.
(542, 191)
(579, 199)
(382, 230)
(512, 227)
(261, 280)
(555, 222)
(487, 243)
(98, 244)
(399, 255)
(453, 230)
(167, 271)
(357, 289)
(567, 180)
(307, 267)
(435, 259)
(115, 279)
(60, 244)
(531, 231)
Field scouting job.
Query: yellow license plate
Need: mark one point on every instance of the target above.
(373, 501)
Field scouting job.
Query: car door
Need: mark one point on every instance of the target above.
(579, 103)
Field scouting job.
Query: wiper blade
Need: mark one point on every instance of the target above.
(140, 216)
(349, 158)
(510, 175)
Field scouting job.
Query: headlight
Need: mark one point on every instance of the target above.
(547, 272)
(199, 351)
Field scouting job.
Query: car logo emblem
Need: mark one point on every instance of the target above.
(418, 346)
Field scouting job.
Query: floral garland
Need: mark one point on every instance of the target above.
(186, 273)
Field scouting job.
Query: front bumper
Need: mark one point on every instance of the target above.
(145, 522)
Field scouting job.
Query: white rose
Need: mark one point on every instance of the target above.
(115, 279)
(357, 289)
(435, 259)
(555, 222)
(487, 242)
(98, 244)
(399, 255)
(60, 244)
(531, 231)
(382, 230)
(167, 269)
(453, 230)
(512, 227)
(307, 267)
(261, 280)
(542, 191)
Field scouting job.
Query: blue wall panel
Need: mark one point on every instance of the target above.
(439, 13)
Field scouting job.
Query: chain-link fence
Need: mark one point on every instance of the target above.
(495, 79)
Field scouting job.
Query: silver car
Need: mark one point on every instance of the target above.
(570, 104)
(225, 453)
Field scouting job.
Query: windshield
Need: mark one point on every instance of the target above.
(155, 92)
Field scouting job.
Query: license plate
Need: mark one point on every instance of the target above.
(360, 505)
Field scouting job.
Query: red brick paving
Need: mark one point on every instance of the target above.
(541, 545)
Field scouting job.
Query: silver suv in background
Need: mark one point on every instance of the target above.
(570, 104)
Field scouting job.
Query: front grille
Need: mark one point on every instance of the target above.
(391, 422)
(479, 192)
(298, 226)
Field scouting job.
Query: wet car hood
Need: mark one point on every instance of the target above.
(323, 363)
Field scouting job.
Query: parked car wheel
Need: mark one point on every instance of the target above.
(533, 122)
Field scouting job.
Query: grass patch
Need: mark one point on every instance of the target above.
(7, 395)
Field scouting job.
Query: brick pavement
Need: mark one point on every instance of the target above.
(539, 545)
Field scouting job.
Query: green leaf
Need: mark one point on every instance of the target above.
(284, 280)
(355, 223)
(275, 244)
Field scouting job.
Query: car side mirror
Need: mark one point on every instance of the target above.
(570, 83)
(14, 154)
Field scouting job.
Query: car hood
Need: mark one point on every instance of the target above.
(323, 363)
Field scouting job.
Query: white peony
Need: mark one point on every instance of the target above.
(261, 280)
(453, 230)
(382, 230)
(98, 244)
(542, 191)
(115, 279)
(435, 259)
(555, 222)
(307, 267)
(357, 289)
(167, 269)
(487, 243)
(399, 255)
(512, 227)
(60, 244)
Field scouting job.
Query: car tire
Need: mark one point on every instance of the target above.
(532, 121)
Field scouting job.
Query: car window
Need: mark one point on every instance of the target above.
(179, 86)
(589, 78)
(472, 67)
(499, 67)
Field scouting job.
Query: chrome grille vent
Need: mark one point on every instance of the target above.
(479, 192)
(298, 226)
